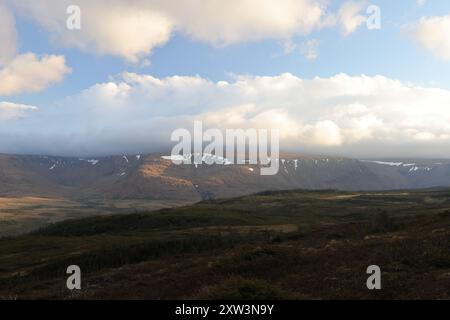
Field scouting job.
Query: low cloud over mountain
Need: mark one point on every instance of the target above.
(133, 113)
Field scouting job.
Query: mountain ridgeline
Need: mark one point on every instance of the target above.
(154, 177)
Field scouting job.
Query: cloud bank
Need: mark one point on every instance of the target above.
(350, 115)
(133, 29)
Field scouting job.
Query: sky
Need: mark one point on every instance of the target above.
(323, 72)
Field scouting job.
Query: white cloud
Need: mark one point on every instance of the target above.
(133, 31)
(107, 27)
(14, 111)
(227, 22)
(351, 115)
(326, 133)
(29, 73)
(8, 35)
(309, 49)
(26, 72)
(348, 17)
(433, 33)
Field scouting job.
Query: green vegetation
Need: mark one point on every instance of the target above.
(279, 245)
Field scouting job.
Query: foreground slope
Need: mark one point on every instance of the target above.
(293, 245)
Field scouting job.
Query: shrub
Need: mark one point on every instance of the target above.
(245, 289)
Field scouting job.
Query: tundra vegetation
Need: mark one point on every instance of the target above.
(271, 245)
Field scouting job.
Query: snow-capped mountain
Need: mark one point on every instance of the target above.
(157, 177)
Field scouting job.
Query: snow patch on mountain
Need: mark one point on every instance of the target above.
(205, 158)
(392, 164)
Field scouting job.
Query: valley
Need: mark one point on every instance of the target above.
(39, 190)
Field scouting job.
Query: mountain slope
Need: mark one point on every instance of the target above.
(153, 177)
(37, 190)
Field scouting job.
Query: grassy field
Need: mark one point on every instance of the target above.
(19, 215)
(274, 245)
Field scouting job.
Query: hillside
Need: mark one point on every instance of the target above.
(289, 244)
(155, 177)
(38, 190)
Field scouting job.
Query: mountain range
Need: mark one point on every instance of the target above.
(155, 177)
(39, 190)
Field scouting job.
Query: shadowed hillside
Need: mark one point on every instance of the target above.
(288, 244)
